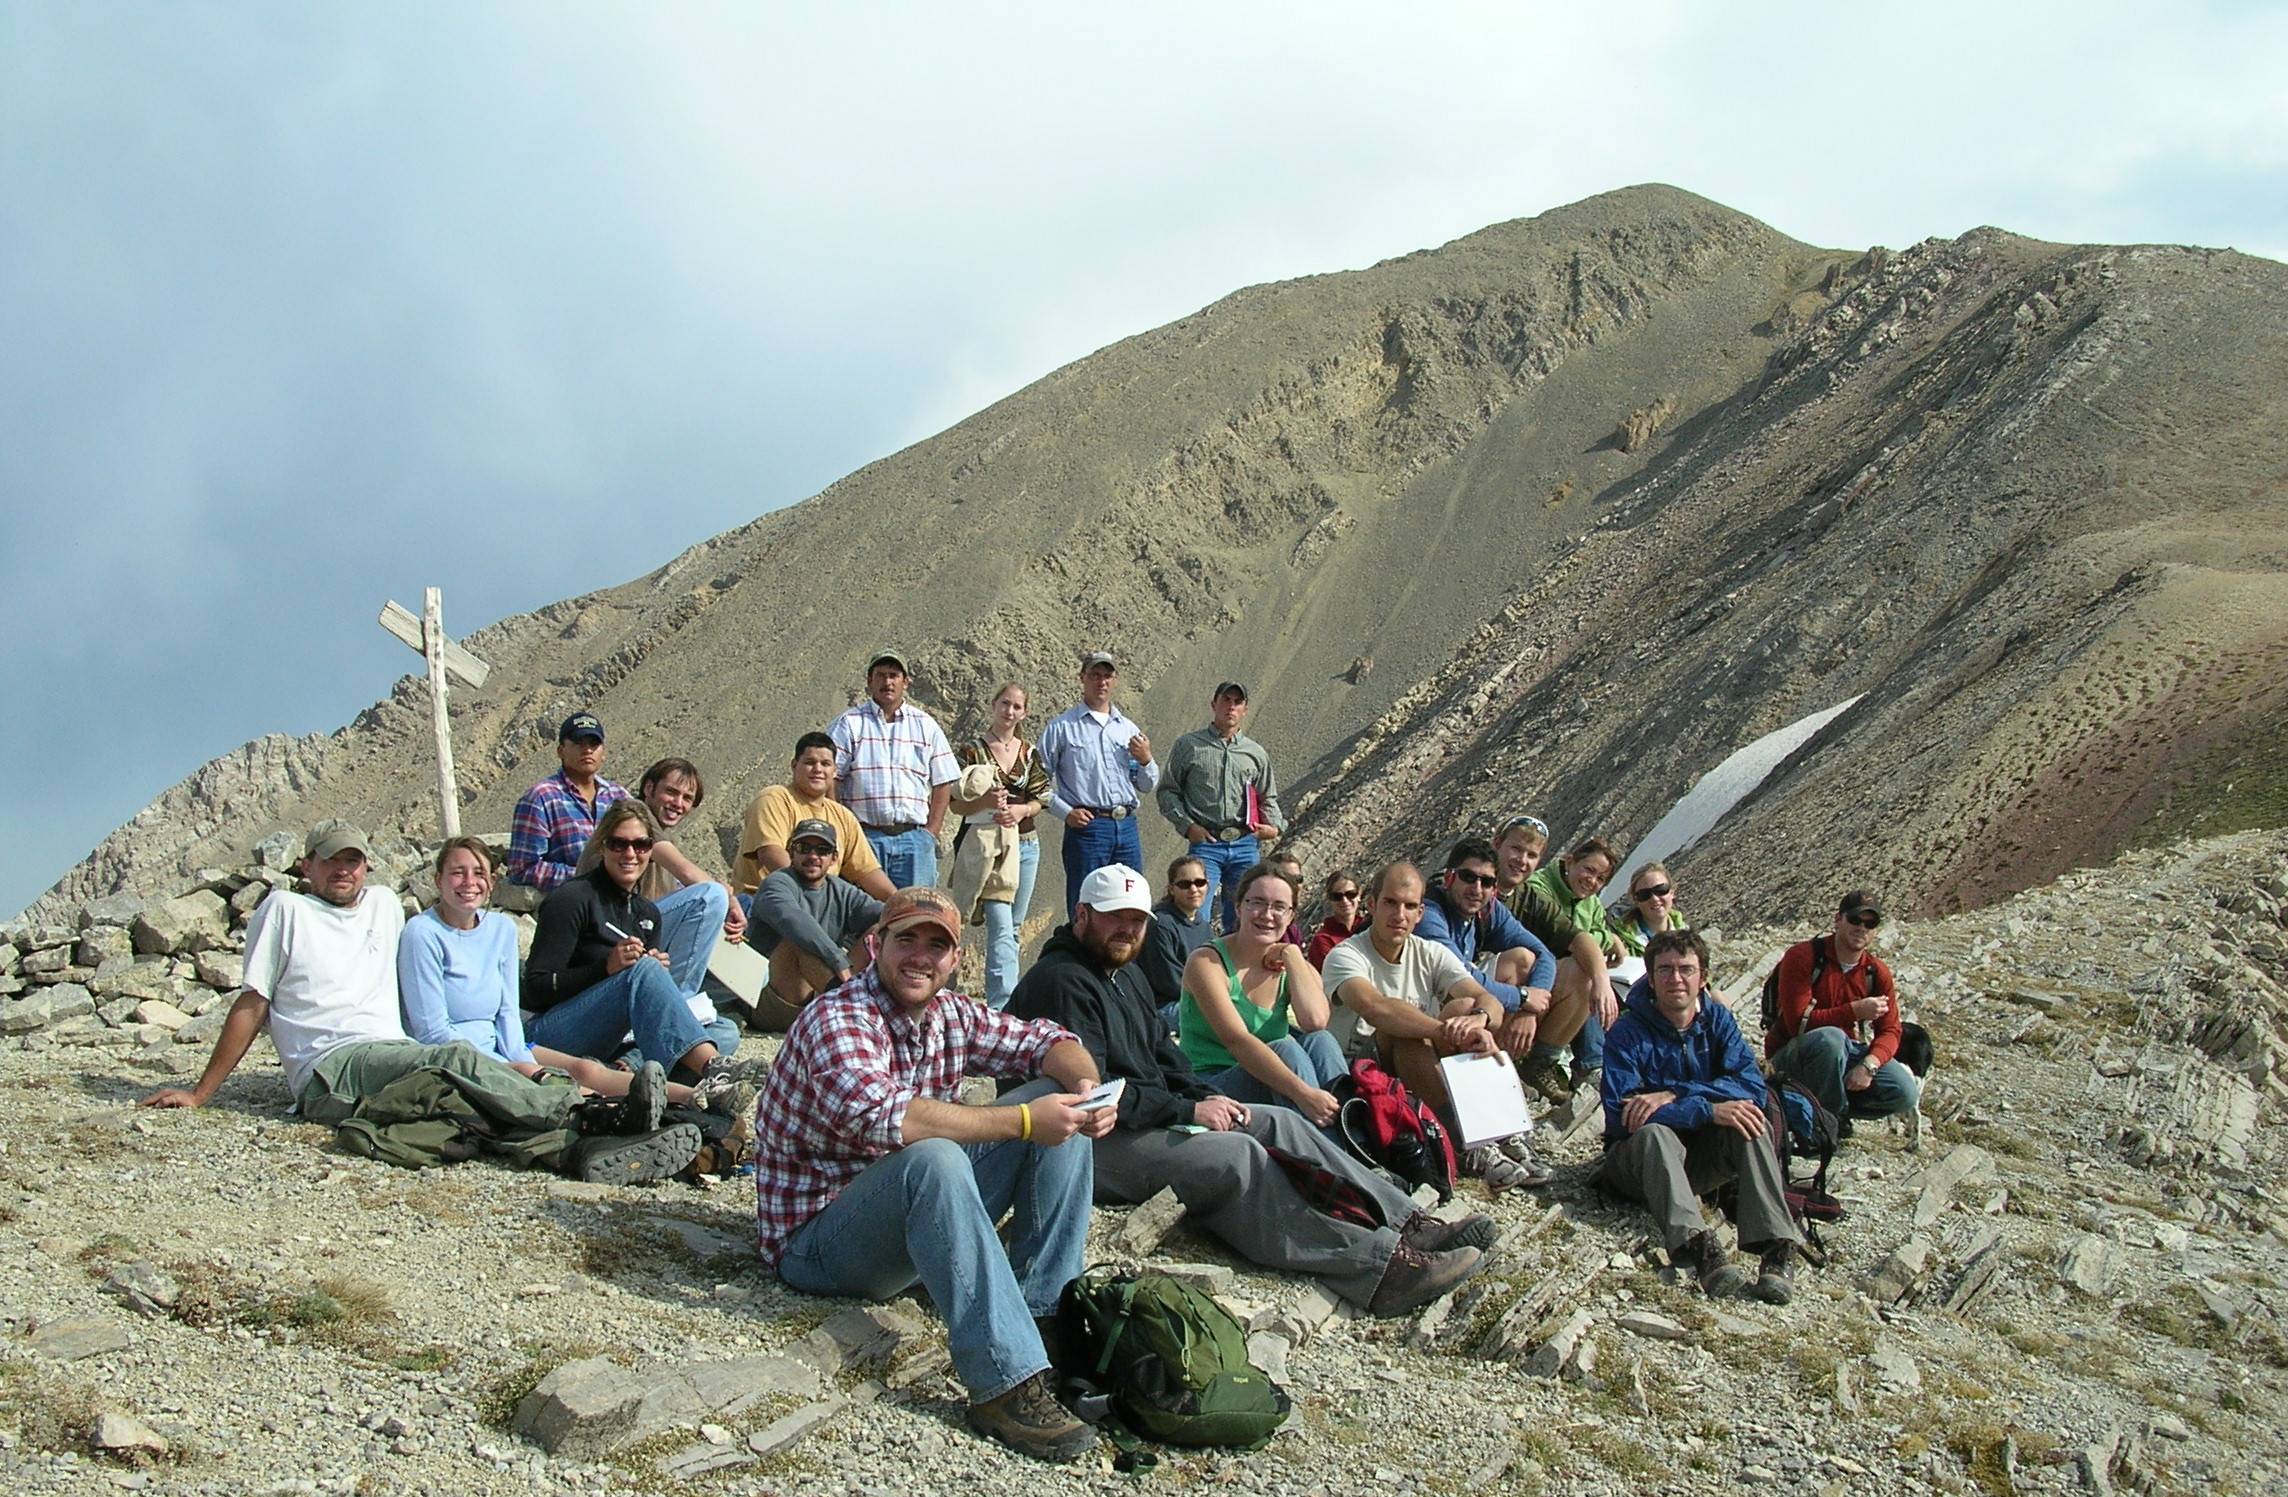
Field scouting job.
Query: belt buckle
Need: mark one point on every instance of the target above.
(1231, 834)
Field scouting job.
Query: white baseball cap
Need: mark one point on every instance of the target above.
(1115, 886)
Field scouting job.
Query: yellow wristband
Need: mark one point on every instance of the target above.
(1024, 1122)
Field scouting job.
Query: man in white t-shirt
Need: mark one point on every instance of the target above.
(321, 974)
(1420, 1002)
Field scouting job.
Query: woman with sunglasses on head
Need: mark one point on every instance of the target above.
(1253, 1021)
(457, 981)
(596, 971)
(1342, 907)
(1837, 1029)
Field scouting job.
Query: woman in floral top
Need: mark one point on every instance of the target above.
(1016, 801)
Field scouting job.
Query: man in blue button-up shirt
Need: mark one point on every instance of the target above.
(1100, 769)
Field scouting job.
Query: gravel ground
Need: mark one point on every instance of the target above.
(2106, 1047)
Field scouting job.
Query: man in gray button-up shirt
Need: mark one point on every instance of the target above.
(1220, 793)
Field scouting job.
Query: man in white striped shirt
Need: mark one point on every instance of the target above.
(895, 770)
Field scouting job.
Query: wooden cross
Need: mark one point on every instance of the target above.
(426, 636)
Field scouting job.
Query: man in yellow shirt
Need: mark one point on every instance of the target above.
(807, 795)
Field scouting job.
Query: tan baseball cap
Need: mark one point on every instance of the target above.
(920, 905)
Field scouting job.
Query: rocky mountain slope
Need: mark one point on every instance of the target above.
(2071, 1280)
(1552, 517)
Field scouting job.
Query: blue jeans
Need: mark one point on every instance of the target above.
(690, 923)
(1315, 1057)
(1225, 862)
(927, 1212)
(1003, 921)
(642, 999)
(1103, 841)
(908, 858)
(1589, 1045)
(1817, 1060)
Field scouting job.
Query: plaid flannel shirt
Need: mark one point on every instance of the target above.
(551, 825)
(836, 1097)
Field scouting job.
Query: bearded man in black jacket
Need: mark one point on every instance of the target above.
(1260, 1178)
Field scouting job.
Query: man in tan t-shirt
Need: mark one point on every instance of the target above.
(807, 795)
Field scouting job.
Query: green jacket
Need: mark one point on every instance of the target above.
(1630, 932)
(1206, 782)
(1544, 905)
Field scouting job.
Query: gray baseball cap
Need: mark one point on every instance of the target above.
(329, 839)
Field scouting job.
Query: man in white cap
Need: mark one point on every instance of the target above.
(1261, 1178)
(1100, 769)
(895, 770)
(321, 975)
(870, 1174)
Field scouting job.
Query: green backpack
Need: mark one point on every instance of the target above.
(1172, 1361)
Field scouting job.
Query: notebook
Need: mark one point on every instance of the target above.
(1489, 1100)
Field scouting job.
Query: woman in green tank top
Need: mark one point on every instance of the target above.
(1253, 1019)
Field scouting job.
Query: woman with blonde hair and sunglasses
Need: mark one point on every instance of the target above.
(596, 971)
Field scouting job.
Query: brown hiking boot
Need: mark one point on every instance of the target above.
(1775, 1285)
(1703, 1256)
(1545, 1073)
(1414, 1278)
(1431, 1235)
(1028, 1419)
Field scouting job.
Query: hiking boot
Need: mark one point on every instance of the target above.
(1413, 1278)
(633, 1159)
(1545, 1073)
(1703, 1255)
(1775, 1284)
(1028, 1419)
(1497, 1169)
(1426, 1233)
(624, 1116)
(1518, 1149)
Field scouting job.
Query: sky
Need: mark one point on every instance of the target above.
(307, 307)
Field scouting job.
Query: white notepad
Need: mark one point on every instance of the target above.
(1489, 1100)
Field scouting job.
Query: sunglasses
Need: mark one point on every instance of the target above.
(1535, 822)
(628, 844)
(815, 849)
(1651, 891)
(1481, 880)
(1342, 893)
(1190, 883)
(1866, 919)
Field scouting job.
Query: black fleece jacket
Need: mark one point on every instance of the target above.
(1115, 1017)
(569, 943)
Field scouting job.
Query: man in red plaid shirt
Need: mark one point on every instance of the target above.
(869, 1174)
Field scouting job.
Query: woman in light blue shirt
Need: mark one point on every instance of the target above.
(457, 980)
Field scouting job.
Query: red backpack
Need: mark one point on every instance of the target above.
(1388, 1128)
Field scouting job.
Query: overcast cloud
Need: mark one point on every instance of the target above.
(302, 307)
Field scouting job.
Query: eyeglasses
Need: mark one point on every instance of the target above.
(1535, 822)
(1189, 883)
(1481, 880)
(1266, 907)
(1342, 893)
(1866, 919)
(1652, 891)
(628, 844)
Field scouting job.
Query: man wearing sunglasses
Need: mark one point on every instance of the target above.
(809, 922)
(1837, 1030)
(1180, 926)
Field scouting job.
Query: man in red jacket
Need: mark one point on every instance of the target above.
(1837, 1032)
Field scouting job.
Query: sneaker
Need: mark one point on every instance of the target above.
(1429, 1234)
(1029, 1420)
(725, 1095)
(1704, 1256)
(1775, 1285)
(1545, 1073)
(634, 1159)
(726, 1069)
(1518, 1149)
(1497, 1169)
(1413, 1278)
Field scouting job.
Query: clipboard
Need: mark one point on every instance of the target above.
(1489, 1100)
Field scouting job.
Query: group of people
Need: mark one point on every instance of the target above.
(1227, 1028)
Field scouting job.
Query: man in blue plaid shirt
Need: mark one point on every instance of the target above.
(556, 817)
